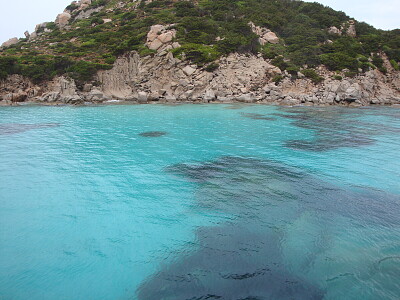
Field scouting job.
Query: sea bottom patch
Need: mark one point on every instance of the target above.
(153, 133)
(252, 256)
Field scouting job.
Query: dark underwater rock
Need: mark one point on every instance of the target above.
(8, 129)
(153, 133)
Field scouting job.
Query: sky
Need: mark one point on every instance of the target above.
(17, 16)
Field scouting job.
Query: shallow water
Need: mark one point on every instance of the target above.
(199, 202)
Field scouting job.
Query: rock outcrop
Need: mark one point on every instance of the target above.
(160, 38)
(347, 28)
(10, 42)
(62, 20)
(351, 30)
(237, 77)
(265, 35)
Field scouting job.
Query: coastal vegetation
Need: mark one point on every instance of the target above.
(206, 31)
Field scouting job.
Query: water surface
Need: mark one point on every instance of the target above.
(199, 202)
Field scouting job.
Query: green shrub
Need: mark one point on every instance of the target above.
(395, 65)
(72, 7)
(98, 3)
(280, 62)
(277, 79)
(292, 70)
(198, 54)
(383, 70)
(85, 70)
(8, 66)
(270, 51)
(51, 26)
(339, 61)
(212, 67)
(350, 74)
(144, 51)
(186, 9)
(338, 77)
(311, 74)
(377, 61)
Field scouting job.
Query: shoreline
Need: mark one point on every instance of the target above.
(7, 103)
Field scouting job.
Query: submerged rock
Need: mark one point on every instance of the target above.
(9, 129)
(243, 257)
(153, 133)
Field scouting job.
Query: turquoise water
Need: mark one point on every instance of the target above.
(199, 202)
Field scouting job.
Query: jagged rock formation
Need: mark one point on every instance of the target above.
(349, 28)
(10, 42)
(160, 38)
(266, 35)
(62, 20)
(242, 78)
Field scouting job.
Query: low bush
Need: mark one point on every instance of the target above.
(311, 74)
(211, 67)
(395, 65)
(198, 54)
(277, 79)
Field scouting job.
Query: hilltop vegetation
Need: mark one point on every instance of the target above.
(206, 30)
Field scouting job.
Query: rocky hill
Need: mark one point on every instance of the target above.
(270, 51)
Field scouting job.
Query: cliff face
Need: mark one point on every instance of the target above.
(239, 77)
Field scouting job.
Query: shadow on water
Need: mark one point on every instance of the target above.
(242, 258)
(255, 116)
(334, 128)
(153, 133)
(9, 129)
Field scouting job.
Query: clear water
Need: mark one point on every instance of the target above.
(199, 202)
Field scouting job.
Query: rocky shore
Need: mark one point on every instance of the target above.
(238, 77)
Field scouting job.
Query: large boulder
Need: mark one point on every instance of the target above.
(188, 70)
(351, 30)
(142, 97)
(265, 35)
(10, 42)
(209, 96)
(96, 95)
(84, 4)
(246, 98)
(160, 37)
(62, 20)
(334, 30)
(271, 38)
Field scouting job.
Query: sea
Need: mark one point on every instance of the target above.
(208, 201)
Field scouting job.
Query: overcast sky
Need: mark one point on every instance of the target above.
(16, 16)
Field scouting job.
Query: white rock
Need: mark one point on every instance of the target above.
(176, 45)
(142, 97)
(10, 42)
(62, 20)
(209, 95)
(246, 98)
(271, 38)
(155, 44)
(166, 37)
(170, 98)
(334, 30)
(188, 70)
